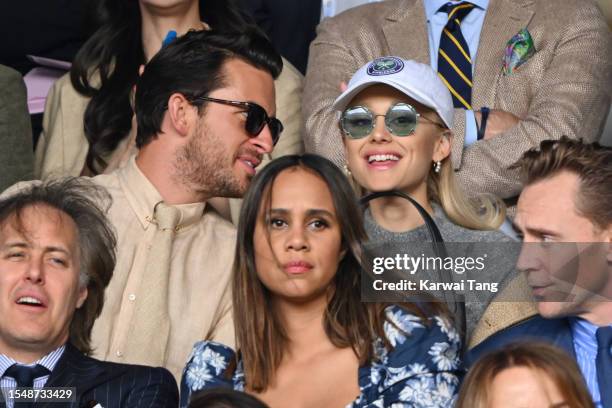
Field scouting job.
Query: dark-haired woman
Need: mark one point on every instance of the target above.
(88, 127)
(304, 337)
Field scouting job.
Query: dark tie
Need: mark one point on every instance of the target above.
(24, 376)
(604, 364)
(454, 62)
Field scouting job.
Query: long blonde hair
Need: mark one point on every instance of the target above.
(485, 212)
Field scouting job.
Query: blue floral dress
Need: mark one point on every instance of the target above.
(422, 370)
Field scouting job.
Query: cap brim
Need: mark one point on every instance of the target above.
(345, 98)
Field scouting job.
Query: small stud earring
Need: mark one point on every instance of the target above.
(437, 167)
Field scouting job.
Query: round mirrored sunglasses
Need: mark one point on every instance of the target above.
(400, 120)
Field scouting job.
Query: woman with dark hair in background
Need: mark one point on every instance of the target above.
(304, 337)
(88, 126)
(524, 375)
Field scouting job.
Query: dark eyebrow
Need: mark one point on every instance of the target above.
(311, 212)
(320, 212)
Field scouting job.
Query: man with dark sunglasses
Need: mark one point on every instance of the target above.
(205, 107)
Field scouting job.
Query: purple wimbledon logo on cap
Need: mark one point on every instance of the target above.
(385, 66)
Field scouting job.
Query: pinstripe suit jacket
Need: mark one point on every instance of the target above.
(111, 385)
(564, 89)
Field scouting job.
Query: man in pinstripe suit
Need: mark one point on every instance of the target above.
(57, 255)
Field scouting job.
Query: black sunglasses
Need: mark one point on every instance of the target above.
(257, 117)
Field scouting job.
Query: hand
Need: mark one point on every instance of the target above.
(343, 86)
(499, 122)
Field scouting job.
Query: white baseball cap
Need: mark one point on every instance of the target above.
(412, 78)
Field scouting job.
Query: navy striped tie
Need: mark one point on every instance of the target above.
(454, 62)
(603, 363)
(24, 377)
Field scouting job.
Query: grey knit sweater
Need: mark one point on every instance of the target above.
(502, 254)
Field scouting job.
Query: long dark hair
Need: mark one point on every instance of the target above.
(115, 53)
(260, 334)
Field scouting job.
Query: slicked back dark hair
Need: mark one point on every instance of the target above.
(86, 204)
(193, 66)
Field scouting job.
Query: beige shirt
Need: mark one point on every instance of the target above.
(199, 287)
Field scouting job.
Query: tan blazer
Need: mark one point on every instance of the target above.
(62, 147)
(564, 89)
(510, 307)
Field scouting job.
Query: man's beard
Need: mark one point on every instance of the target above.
(206, 167)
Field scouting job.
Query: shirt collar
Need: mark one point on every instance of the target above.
(432, 6)
(583, 332)
(49, 361)
(143, 196)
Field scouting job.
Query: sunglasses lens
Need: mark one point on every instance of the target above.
(276, 128)
(256, 119)
(357, 122)
(401, 119)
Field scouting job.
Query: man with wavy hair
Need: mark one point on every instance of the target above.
(57, 255)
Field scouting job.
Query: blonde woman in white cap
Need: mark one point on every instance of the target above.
(396, 117)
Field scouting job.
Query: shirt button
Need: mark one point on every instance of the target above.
(119, 353)
(132, 297)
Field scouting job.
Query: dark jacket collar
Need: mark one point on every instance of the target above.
(75, 369)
